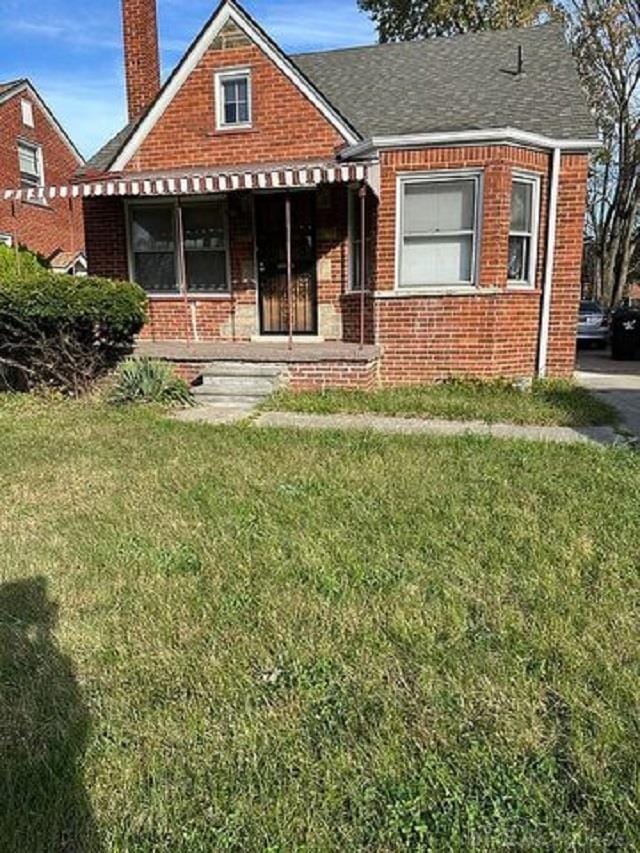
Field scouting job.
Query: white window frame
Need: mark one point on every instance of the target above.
(353, 227)
(6, 239)
(445, 176)
(26, 109)
(534, 181)
(25, 143)
(223, 77)
(179, 259)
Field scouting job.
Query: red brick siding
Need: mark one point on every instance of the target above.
(323, 375)
(43, 229)
(286, 125)
(104, 222)
(426, 338)
(565, 295)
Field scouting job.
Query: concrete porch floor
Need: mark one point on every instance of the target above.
(256, 352)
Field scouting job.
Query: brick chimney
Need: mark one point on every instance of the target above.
(141, 54)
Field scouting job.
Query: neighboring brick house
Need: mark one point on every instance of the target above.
(34, 151)
(239, 192)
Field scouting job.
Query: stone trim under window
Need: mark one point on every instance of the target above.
(178, 247)
(438, 215)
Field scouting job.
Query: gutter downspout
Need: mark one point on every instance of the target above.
(545, 308)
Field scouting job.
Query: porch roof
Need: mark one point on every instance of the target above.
(201, 181)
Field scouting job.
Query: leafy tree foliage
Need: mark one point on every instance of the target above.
(400, 20)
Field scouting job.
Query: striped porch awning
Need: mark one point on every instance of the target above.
(200, 183)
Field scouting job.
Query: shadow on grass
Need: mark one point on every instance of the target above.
(44, 727)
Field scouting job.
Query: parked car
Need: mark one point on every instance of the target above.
(593, 324)
(625, 333)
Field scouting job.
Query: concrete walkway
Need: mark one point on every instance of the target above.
(419, 426)
(615, 382)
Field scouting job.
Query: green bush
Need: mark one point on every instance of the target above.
(146, 380)
(20, 264)
(64, 332)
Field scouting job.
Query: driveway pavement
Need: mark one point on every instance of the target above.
(616, 382)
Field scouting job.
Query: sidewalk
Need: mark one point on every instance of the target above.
(604, 435)
(615, 382)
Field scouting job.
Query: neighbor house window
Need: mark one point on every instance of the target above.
(26, 108)
(437, 230)
(31, 168)
(178, 248)
(233, 99)
(523, 230)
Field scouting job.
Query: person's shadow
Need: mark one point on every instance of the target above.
(44, 725)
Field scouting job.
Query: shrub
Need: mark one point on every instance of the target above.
(146, 380)
(20, 264)
(65, 332)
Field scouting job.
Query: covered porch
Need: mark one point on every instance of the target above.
(248, 254)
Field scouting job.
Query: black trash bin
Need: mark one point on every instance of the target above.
(625, 334)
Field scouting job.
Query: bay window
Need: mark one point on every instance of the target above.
(437, 230)
(177, 248)
(523, 230)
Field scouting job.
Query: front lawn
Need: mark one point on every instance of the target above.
(239, 639)
(547, 403)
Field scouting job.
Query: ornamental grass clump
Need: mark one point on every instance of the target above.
(147, 380)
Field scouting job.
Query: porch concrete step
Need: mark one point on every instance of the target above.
(234, 401)
(242, 368)
(251, 385)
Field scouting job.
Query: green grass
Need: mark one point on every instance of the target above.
(547, 403)
(241, 639)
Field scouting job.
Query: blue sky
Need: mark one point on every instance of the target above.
(72, 49)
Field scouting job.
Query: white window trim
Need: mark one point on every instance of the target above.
(181, 289)
(534, 180)
(26, 110)
(35, 147)
(444, 176)
(353, 226)
(220, 78)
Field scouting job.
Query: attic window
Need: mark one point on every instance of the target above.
(27, 113)
(233, 99)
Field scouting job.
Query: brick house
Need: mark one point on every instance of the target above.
(35, 150)
(387, 214)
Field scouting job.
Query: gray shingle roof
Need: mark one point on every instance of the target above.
(466, 82)
(12, 84)
(103, 158)
(460, 83)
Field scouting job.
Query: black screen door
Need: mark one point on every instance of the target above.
(272, 264)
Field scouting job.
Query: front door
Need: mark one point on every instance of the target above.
(271, 234)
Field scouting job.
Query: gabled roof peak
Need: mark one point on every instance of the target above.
(227, 10)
